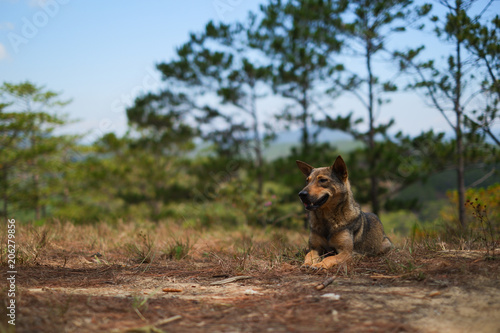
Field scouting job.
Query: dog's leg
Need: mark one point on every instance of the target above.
(344, 244)
(315, 242)
(311, 258)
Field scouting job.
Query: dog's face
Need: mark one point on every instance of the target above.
(324, 185)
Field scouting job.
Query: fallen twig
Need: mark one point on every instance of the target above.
(380, 276)
(149, 328)
(167, 320)
(229, 280)
(325, 283)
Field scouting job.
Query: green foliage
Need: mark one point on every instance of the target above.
(205, 213)
(454, 84)
(302, 38)
(177, 249)
(138, 180)
(216, 62)
(483, 40)
(33, 158)
(234, 202)
(399, 222)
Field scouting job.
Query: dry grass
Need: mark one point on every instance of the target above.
(238, 250)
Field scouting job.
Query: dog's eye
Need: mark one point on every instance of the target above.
(323, 180)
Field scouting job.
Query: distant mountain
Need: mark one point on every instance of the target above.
(325, 135)
(277, 150)
(286, 140)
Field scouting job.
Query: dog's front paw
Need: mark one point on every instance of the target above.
(311, 267)
(318, 266)
(305, 267)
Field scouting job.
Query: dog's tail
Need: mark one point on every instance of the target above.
(386, 244)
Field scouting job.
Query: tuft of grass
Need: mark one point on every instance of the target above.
(177, 249)
(402, 261)
(282, 250)
(141, 251)
(245, 249)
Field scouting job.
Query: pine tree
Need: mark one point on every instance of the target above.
(366, 27)
(301, 36)
(450, 88)
(29, 145)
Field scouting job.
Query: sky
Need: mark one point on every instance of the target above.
(102, 54)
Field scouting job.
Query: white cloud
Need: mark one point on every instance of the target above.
(3, 52)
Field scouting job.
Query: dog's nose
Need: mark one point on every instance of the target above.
(303, 194)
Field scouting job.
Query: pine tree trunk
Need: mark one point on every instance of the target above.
(305, 136)
(258, 147)
(460, 177)
(36, 197)
(459, 136)
(5, 198)
(36, 181)
(305, 129)
(372, 158)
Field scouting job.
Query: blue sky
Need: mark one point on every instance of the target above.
(101, 54)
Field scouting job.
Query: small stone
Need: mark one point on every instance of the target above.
(333, 297)
(251, 292)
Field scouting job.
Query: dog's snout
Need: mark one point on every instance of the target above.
(303, 194)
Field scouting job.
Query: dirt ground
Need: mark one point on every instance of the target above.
(74, 289)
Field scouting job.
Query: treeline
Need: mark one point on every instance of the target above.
(194, 151)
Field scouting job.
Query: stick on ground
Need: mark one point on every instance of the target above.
(325, 283)
(229, 280)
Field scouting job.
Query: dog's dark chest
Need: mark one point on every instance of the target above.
(326, 227)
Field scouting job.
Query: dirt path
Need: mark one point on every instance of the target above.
(453, 294)
(292, 304)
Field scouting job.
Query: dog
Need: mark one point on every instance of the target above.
(336, 221)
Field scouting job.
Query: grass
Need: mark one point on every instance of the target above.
(241, 248)
(177, 248)
(142, 250)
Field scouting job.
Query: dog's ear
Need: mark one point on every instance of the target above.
(304, 167)
(339, 168)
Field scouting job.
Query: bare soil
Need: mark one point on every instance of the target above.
(68, 289)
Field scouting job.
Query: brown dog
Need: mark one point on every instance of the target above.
(337, 223)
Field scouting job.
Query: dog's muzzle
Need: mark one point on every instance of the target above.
(311, 204)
